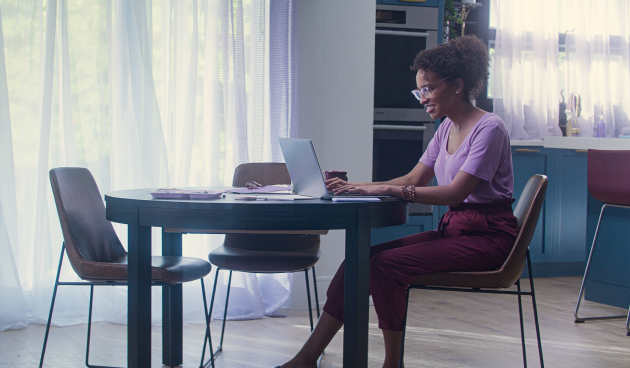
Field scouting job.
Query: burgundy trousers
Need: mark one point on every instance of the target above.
(470, 237)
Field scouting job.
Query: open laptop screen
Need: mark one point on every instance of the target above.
(304, 169)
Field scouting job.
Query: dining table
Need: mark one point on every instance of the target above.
(226, 214)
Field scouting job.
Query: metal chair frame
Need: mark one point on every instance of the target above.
(588, 265)
(498, 281)
(227, 298)
(91, 284)
(518, 292)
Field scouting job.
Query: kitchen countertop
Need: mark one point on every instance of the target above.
(578, 143)
(527, 142)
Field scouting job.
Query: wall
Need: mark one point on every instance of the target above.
(335, 97)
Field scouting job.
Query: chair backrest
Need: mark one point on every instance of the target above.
(609, 175)
(527, 212)
(87, 234)
(266, 173)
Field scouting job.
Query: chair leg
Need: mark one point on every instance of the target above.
(227, 299)
(531, 286)
(319, 360)
(308, 298)
(208, 337)
(404, 330)
(315, 289)
(588, 265)
(520, 315)
(89, 327)
(52, 306)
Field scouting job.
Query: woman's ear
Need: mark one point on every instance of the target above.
(459, 85)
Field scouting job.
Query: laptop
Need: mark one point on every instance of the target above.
(306, 175)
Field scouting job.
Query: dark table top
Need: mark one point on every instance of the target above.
(137, 206)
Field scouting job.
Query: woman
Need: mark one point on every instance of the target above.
(470, 157)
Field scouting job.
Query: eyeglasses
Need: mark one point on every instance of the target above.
(426, 90)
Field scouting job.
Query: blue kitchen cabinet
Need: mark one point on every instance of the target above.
(570, 196)
(528, 161)
(559, 242)
(416, 224)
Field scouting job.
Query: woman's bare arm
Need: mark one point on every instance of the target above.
(450, 195)
(421, 175)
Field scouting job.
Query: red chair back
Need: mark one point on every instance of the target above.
(609, 176)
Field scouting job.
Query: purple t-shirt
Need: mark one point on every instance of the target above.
(485, 153)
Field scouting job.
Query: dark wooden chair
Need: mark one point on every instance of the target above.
(608, 177)
(290, 251)
(95, 252)
(496, 282)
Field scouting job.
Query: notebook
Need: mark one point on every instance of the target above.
(306, 175)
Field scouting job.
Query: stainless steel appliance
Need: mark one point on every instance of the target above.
(402, 128)
(397, 149)
(401, 33)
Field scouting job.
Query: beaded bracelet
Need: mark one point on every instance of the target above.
(409, 193)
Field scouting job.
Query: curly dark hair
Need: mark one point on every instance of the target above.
(463, 57)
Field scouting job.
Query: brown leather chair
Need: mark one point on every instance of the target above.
(608, 175)
(94, 250)
(527, 211)
(265, 253)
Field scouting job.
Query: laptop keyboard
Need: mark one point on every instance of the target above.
(346, 194)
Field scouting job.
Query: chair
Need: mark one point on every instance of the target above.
(265, 253)
(94, 250)
(608, 177)
(495, 282)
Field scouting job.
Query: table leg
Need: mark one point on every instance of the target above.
(139, 297)
(172, 308)
(356, 297)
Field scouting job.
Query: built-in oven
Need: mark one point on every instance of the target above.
(401, 33)
(397, 149)
(402, 127)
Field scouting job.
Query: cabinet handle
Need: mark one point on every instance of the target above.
(400, 127)
(401, 33)
(581, 151)
(525, 150)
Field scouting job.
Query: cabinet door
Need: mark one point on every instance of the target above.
(416, 224)
(570, 210)
(528, 161)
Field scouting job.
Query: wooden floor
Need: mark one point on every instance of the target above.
(445, 329)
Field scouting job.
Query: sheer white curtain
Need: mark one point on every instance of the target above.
(12, 303)
(598, 61)
(526, 67)
(531, 69)
(144, 94)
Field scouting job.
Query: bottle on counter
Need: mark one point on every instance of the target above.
(569, 125)
(601, 127)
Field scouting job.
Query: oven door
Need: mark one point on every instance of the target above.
(401, 33)
(397, 149)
